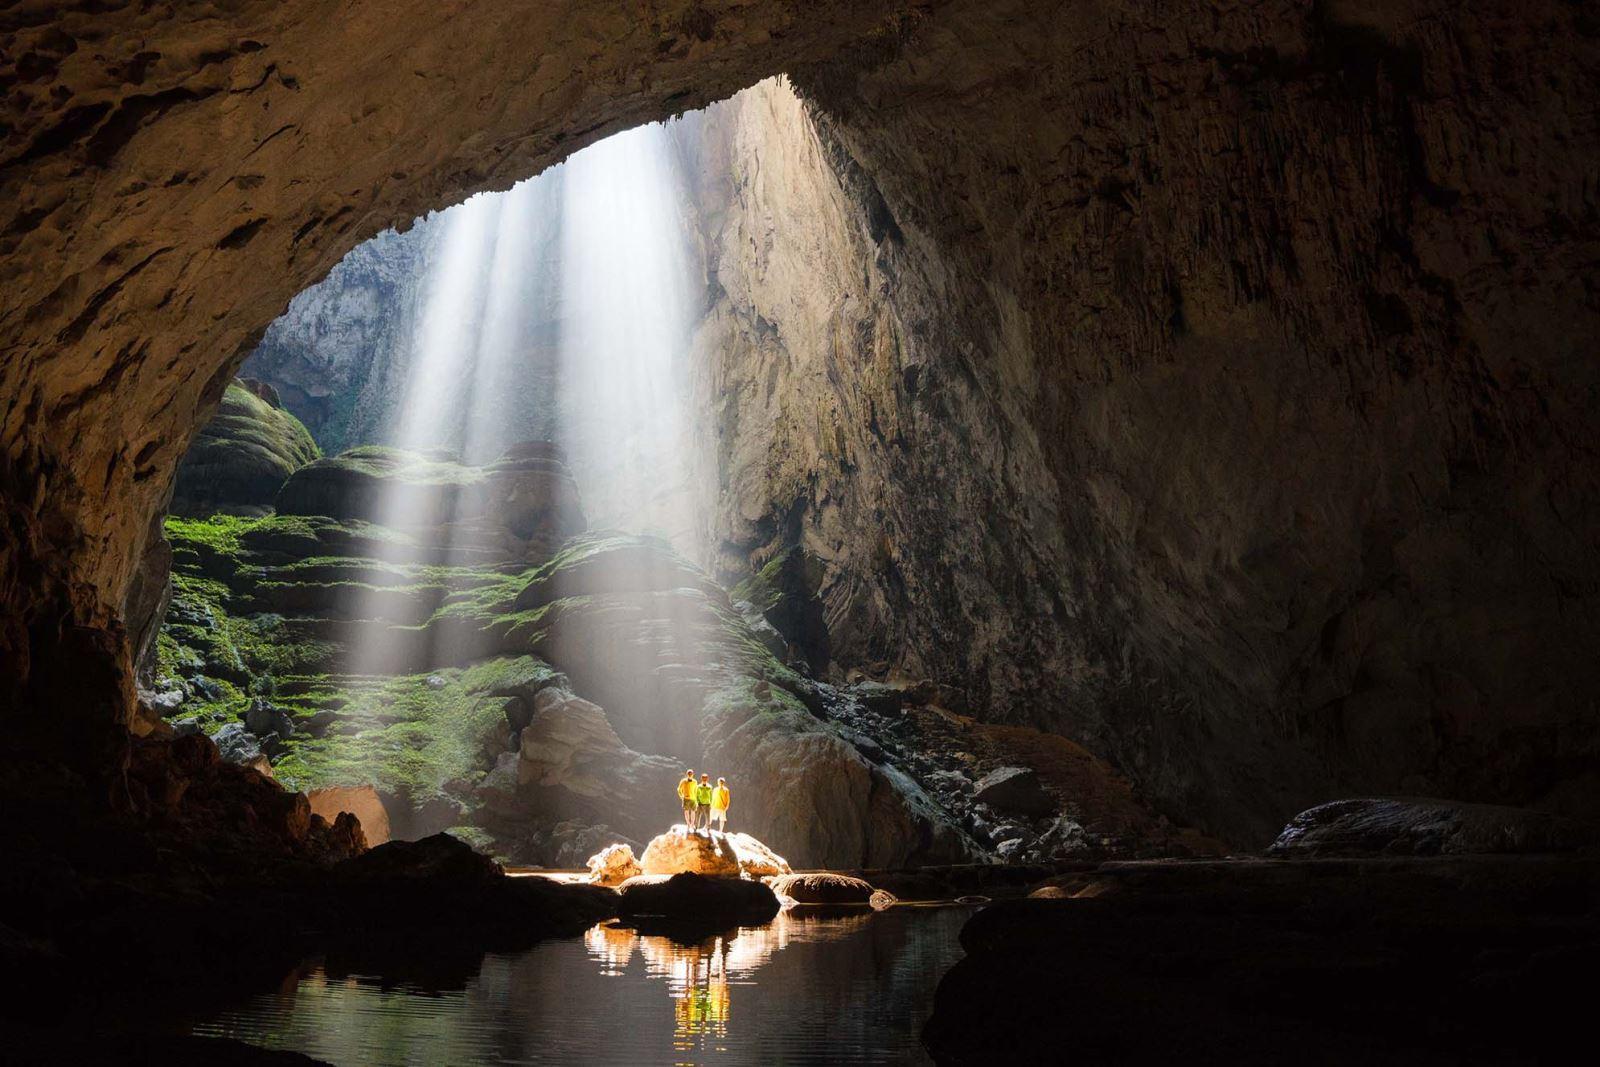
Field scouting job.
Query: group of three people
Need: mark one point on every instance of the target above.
(704, 803)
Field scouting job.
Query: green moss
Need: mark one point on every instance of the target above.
(763, 589)
(404, 734)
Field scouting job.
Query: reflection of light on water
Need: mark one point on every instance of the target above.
(699, 976)
(810, 992)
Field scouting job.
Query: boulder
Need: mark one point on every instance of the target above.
(822, 887)
(1016, 790)
(1425, 827)
(613, 865)
(362, 801)
(680, 851)
(699, 898)
(236, 744)
(756, 860)
(439, 860)
(265, 717)
(250, 447)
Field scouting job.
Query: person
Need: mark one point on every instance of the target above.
(702, 800)
(719, 804)
(686, 798)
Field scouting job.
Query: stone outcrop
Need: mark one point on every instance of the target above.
(822, 887)
(1014, 789)
(613, 865)
(718, 854)
(697, 899)
(362, 801)
(679, 850)
(1426, 827)
(243, 455)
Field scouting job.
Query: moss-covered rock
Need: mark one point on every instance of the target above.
(243, 456)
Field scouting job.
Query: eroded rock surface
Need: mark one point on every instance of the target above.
(362, 801)
(1426, 827)
(822, 887)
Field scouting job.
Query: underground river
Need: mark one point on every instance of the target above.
(806, 988)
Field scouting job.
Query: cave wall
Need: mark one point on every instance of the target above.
(1217, 387)
(1214, 386)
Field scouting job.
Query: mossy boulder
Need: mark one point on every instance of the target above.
(243, 456)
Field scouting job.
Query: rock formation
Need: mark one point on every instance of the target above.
(1421, 827)
(244, 454)
(362, 801)
(613, 865)
(716, 854)
(1210, 386)
(822, 887)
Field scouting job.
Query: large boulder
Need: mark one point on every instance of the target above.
(680, 851)
(697, 898)
(245, 453)
(362, 801)
(1425, 827)
(1014, 789)
(613, 865)
(439, 860)
(822, 887)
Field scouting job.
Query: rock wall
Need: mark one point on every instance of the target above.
(1225, 398)
(1217, 397)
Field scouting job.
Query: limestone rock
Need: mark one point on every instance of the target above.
(679, 850)
(1425, 827)
(697, 897)
(361, 801)
(436, 860)
(242, 457)
(613, 865)
(756, 860)
(1015, 789)
(237, 744)
(822, 887)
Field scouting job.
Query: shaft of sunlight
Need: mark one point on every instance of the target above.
(625, 327)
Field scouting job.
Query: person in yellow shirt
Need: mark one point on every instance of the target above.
(691, 810)
(719, 804)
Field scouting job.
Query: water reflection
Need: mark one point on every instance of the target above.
(698, 971)
(804, 989)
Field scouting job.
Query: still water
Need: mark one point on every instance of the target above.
(801, 989)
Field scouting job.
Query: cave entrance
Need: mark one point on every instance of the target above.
(453, 555)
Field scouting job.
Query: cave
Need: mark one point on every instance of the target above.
(1128, 473)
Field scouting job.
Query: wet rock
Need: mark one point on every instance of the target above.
(1014, 789)
(822, 887)
(698, 898)
(360, 801)
(1425, 827)
(613, 865)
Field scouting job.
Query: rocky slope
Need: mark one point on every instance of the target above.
(489, 672)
